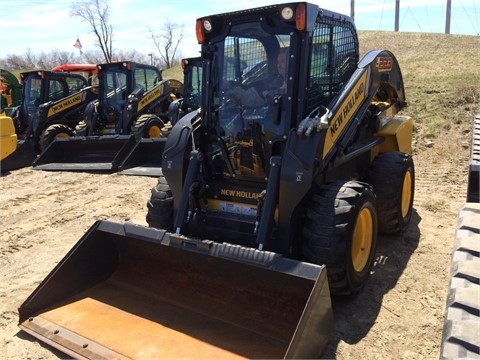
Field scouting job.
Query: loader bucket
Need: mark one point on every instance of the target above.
(145, 159)
(129, 292)
(23, 156)
(91, 153)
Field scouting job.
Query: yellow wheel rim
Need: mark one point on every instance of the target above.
(406, 194)
(61, 136)
(154, 132)
(362, 239)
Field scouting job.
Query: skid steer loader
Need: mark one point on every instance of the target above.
(271, 197)
(52, 105)
(132, 104)
(146, 158)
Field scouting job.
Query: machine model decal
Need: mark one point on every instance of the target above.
(346, 111)
(150, 97)
(67, 103)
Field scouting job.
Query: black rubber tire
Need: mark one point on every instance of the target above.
(148, 126)
(332, 234)
(52, 132)
(160, 206)
(392, 176)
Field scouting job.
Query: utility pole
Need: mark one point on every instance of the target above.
(397, 14)
(352, 10)
(449, 14)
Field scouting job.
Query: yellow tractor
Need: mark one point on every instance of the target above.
(271, 197)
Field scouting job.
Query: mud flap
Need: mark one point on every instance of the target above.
(91, 153)
(145, 159)
(127, 291)
(22, 157)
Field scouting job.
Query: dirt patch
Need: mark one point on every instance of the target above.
(42, 216)
(399, 314)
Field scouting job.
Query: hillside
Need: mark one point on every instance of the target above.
(442, 83)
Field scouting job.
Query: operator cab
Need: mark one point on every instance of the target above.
(250, 99)
(256, 66)
(43, 87)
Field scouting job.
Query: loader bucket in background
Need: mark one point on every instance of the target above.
(145, 159)
(23, 156)
(127, 291)
(91, 153)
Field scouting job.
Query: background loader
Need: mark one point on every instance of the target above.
(271, 197)
(146, 158)
(192, 89)
(52, 104)
(132, 104)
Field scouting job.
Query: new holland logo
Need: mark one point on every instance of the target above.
(239, 194)
(149, 98)
(65, 104)
(345, 113)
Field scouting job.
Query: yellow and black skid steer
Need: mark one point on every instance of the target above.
(146, 158)
(52, 104)
(270, 200)
(132, 104)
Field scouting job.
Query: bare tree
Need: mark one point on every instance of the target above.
(49, 60)
(93, 57)
(167, 43)
(43, 61)
(96, 14)
(27, 61)
(131, 55)
(16, 62)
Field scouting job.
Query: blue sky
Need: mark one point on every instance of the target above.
(39, 25)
